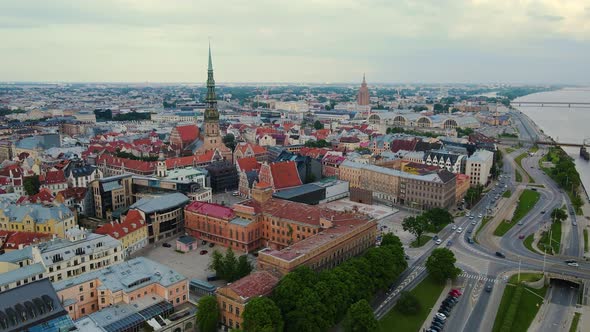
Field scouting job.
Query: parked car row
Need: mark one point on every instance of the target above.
(439, 320)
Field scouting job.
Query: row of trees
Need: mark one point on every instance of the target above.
(127, 155)
(430, 221)
(229, 267)
(310, 301)
(322, 143)
(565, 174)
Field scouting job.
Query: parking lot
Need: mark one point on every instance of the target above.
(226, 198)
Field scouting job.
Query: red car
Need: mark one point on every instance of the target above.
(455, 292)
(203, 252)
(521, 236)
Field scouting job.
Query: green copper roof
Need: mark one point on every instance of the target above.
(210, 62)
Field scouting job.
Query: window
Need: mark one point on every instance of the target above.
(83, 311)
(81, 297)
(81, 288)
(238, 312)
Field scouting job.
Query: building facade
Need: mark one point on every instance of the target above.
(37, 218)
(478, 167)
(132, 231)
(111, 194)
(163, 214)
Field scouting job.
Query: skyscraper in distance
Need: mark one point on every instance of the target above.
(363, 95)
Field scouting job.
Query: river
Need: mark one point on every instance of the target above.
(571, 125)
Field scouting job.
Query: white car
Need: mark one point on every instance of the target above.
(471, 217)
(454, 227)
(473, 222)
(573, 264)
(439, 241)
(441, 316)
(459, 230)
(480, 215)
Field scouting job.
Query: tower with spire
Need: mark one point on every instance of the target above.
(212, 139)
(363, 94)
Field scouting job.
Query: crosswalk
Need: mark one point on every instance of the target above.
(383, 307)
(482, 277)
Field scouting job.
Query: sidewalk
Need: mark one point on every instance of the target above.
(434, 309)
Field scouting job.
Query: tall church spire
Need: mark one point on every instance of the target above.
(211, 113)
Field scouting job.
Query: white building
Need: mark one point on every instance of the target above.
(478, 167)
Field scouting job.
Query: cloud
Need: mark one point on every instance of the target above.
(279, 40)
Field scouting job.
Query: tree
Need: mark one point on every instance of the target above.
(558, 215)
(208, 314)
(230, 141)
(229, 265)
(416, 225)
(243, 268)
(318, 125)
(31, 185)
(217, 263)
(390, 240)
(360, 318)
(262, 315)
(441, 265)
(408, 304)
(437, 219)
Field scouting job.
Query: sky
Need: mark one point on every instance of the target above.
(320, 41)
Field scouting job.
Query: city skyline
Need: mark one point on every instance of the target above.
(307, 41)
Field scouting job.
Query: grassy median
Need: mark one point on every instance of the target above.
(575, 322)
(555, 242)
(585, 240)
(528, 243)
(483, 222)
(427, 292)
(519, 304)
(507, 194)
(526, 202)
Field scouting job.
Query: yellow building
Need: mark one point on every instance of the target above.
(131, 231)
(36, 218)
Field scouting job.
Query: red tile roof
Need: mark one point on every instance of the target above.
(205, 158)
(403, 144)
(315, 153)
(248, 164)
(133, 222)
(53, 177)
(188, 133)
(259, 283)
(17, 239)
(78, 193)
(43, 196)
(137, 165)
(210, 209)
(285, 174)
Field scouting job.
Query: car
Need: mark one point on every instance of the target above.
(521, 236)
(212, 277)
(441, 316)
(489, 288)
(471, 217)
(449, 243)
(575, 223)
(470, 240)
(459, 230)
(434, 329)
(445, 312)
(480, 215)
(203, 252)
(473, 222)
(439, 241)
(520, 223)
(469, 231)
(438, 319)
(203, 242)
(211, 245)
(573, 264)
(444, 307)
(499, 254)
(434, 238)
(454, 227)
(235, 193)
(407, 257)
(543, 212)
(166, 245)
(456, 291)
(437, 324)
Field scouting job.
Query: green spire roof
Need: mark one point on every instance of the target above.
(210, 62)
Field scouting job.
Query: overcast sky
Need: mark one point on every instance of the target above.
(512, 41)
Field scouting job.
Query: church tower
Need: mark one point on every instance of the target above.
(211, 113)
(211, 137)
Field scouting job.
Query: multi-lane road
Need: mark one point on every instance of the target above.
(481, 266)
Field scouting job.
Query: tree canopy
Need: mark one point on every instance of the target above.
(416, 225)
(262, 315)
(230, 141)
(408, 304)
(208, 314)
(360, 318)
(318, 125)
(312, 301)
(229, 267)
(31, 185)
(317, 144)
(441, 265)
(558, 215)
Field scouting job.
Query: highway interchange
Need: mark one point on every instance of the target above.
(481, 266)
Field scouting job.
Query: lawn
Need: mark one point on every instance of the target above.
(427, 293)
(556, 238)
(575, 322)
(585, 240)
(507, 194)
(528, 243)
(423, 240)
(526, 306)
(517, 176)
(534, 149)
(519, 162)
(526, 202)
(509, 150)
(483, 222)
